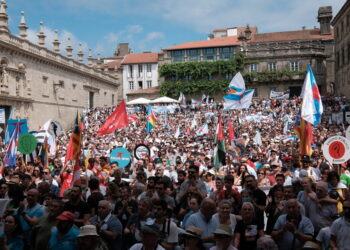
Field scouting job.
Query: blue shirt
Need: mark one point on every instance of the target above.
(16, 243)
(208, 227)
(36, 211)
(67, 242)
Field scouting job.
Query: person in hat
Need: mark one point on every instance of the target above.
(223, 238)
(64, 235)
(151, 235)
(307, 166)
(88, 239)
(192, 237)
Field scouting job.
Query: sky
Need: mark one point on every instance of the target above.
(151, 25)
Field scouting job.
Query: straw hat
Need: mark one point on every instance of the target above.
(88, 230)
(223, 230)
(192, 231)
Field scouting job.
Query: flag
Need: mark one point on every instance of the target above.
(231, 132)
(74, 146)
(177, 133)
(118, 119)
(10, 157)
(203, 98)
(311, 107)
(303, 130)
(286, 127)
(151, 119)
(219, 151)
(203, 130)
(207, 100)
(194, 101)
(243, 101)
(236, 86)
(257, 138)
(182, 99)
(194, 123)
(44, 154)
(7, 134)
(188, 130)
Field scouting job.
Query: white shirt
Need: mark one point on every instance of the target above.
(341, 228)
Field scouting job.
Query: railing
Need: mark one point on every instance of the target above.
(44, 52)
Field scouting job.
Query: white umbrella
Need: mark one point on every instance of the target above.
(138, 101)
(164, 99)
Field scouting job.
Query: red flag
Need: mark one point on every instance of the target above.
(219, 132)
(74, 146)
(188, 131)
(118, 119)
(231, 132)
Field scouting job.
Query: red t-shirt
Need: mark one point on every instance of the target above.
(66, 180)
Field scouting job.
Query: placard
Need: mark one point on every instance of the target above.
(347, 133)
(27, 143)
(121, 156)
(142, 152)
(336, 149)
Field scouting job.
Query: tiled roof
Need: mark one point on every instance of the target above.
(290, 35)
(215, 42)
(148, 57)
(152, 90)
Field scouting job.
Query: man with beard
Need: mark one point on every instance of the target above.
(41, 231)
(340, 229)
(64, 235)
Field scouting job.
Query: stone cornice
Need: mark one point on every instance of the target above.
(25, 47)
(15, 98)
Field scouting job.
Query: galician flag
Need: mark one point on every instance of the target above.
(311, 107)
(202, 130)
(151, 119)
(177, 133)
(219, 151)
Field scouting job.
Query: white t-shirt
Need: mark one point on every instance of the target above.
(340, 229)
(172, 236)
(139, 246)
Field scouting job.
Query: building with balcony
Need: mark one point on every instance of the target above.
(140, 71)
(278, 60)
(341, 24)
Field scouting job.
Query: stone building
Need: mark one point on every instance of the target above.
(41, 84)
(140, 72)
(278, 59)
(341, 24)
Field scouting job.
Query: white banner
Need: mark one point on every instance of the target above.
(279, 95)
(2, 116)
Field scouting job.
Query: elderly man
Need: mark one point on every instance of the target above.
(109, 227)
(319, 209)
(204, 221)
(292, 229)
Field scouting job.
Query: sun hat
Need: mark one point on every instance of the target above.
(88, 230)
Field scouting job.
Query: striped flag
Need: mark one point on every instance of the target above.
(177, 133)
(151, 119)
(303, 130)
(10, 158)
(74, 146)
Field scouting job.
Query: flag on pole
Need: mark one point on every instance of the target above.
(219, 151)
(182, 99)
(231, 132)
(10, 157)
(177, 133)
(257, 138)
(303, 130)
(311, 107)
(203, 130)
(118, 119)
(7, 134)
(74, 146)
(151, 119)
(286, 127)
(242, 101)
(194, 123)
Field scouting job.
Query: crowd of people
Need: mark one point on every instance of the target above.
(264, 195)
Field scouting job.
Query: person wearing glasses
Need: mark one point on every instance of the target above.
(108, 226)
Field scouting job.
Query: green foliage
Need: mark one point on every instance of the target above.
(200, 70)
(173, 89)
(272, 76)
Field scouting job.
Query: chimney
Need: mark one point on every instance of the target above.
(324, 18)
(210, 36)
(248, 33)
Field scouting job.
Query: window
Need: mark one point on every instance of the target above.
(253, 67)
(140, 84)
(149, 67)
(228, 76)
(130, 71)
(45, 79)
(140, 70)
(209, 54)
(294, 66)
(177, 56)
(193, 55)
(131, 85)
(91, 99)
(112, 99)
(210, 77)
(174, 78)
(226, 53)
(149, 84)
(271, 66)
(187, 78)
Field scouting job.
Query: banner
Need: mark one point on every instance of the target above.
(2, 116)
(279, 95)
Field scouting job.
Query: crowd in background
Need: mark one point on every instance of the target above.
(264, 195)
